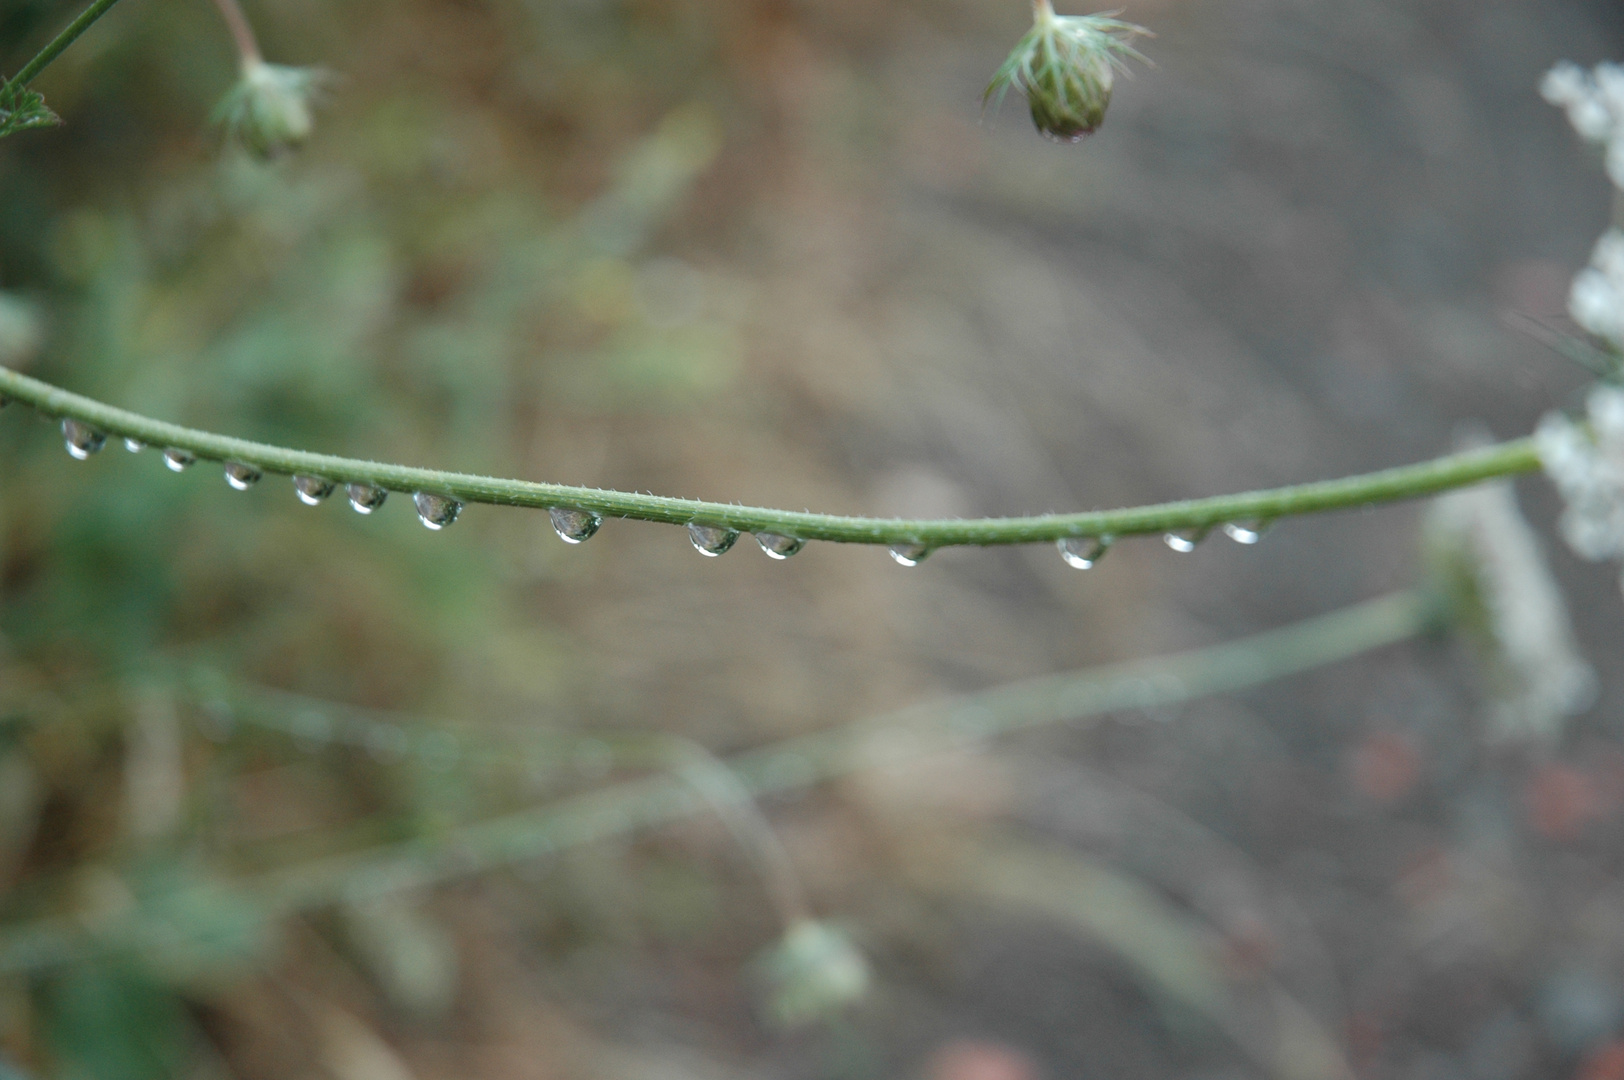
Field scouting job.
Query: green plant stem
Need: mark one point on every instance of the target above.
(1390, 485)
(67, 37)
(887, 741)
(242, 31)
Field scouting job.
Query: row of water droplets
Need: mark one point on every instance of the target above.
(1083, 552)
(573, 525)
(576, 526)
(435, 511)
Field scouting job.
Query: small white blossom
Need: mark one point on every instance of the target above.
(1594, 101)
(1538, 676)
(1587, 467)
(1610, 87)
(1596, 301)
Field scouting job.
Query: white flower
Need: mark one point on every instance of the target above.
(1596, 305)
(1595, 105)
(1589, 108)
(1587, 467)
(1538, 675)
(1610, 87)
(1596, 301)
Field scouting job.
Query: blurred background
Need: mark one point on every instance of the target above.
(770, 251)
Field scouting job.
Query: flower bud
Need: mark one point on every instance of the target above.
(269, 110)
(1066, 66)
(812, 973)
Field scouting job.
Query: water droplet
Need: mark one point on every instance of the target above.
(312, 489)
(365, 498)
(82, 439)
(909, 554)
(179, 460)
(778, 546)
(134, 446)
(1246, 534)
(574, 526)
(241, 476)
(711, 540)
(1185, 542)
(1082, 552)
(436, 511)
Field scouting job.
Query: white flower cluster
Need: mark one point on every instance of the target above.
(1587, 465)
(1597, 300)
(1595, 104)
(1594, 101)
(1539, 678)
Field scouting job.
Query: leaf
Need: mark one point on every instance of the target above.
(22, 109)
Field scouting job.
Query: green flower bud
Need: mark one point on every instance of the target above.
(1066, 65)
(269, 110)
(812, 973)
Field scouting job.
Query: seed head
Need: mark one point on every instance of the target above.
(1066, 66)
(269, 110)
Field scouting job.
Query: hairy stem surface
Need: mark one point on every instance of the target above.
(1390, 485)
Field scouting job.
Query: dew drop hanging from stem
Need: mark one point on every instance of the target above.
(1184, 542)
(82, 440)
(1082, 552)
(241, 476)
(436, 511)
(1245, 534)
(364, 498)
(574, 526)
(909, 554)
(711, 540)
(778, 546)
(312, 489)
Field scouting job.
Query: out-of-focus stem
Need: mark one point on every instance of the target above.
(242, 31)
(883, 741)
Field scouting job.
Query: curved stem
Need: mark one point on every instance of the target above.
(242, 31)
(717, 784)
(1389, 485)
(885, 741)
(67, 37)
